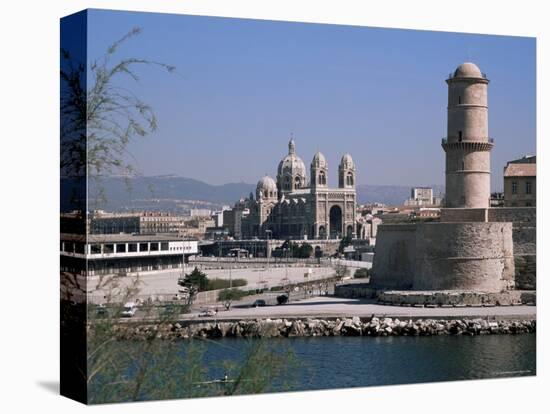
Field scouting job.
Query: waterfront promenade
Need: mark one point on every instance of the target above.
(328, 306)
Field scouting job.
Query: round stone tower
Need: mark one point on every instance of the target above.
(467, 146)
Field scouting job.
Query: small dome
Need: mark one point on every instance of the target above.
(347, 162)
(468, 70)
(266, 188)
(319, 161)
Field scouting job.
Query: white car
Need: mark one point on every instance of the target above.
(130, 309)
(208, 312)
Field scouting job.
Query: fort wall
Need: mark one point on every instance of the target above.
(461, 256)
(395, 256)
(445, 256)
(524, 235)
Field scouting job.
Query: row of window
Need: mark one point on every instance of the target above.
(528, 187)
(134, 247)
(109, 248)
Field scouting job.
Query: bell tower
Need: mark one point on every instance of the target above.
(319, 171)
(467, 146)
(346, 172)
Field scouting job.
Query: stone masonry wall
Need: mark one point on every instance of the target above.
(524, 234)
(475, 256)
(441, 256)
(395, 256)
(524, 221)
(463, 214)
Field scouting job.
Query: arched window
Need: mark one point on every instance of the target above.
(286, 185)
(297, 182)
(349, 179)
(322, 178)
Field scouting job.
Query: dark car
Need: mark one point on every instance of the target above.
(258, 302)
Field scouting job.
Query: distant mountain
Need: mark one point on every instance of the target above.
(169, 192)
(389, 194)
(163, 193)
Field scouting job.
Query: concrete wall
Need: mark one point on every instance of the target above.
(464, 256)
(394, 258)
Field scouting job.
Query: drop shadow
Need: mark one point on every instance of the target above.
(51, 386)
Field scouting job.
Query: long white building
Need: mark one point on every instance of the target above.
(103, 254)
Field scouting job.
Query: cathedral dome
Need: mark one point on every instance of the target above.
(293, 167)
(266, 188)
(468, 70)
(347, 162)
(319, 161)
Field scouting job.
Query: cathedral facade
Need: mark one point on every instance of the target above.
(297, 207)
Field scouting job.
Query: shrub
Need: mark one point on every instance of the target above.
(217, 283)
(362, 273)
(282, 299)
(340, 270)
(227, 296)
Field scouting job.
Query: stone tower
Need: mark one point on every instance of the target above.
(319, 171)
(346, 172)
(467, 146)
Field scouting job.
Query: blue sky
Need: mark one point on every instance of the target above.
(243, 86)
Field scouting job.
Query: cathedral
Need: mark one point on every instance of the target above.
(295, 207)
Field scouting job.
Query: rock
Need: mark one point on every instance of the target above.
(337, 329)
(351, 330)
(319, 327)
(296, 329)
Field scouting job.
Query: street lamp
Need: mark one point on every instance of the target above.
(306, 277)
(267, 249)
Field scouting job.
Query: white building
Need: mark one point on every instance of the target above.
(104, 254)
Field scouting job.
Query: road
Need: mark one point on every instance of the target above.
(329, 306)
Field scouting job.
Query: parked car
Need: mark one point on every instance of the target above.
(101, 310)
(258, 302)
(130, 309)
(208, 312)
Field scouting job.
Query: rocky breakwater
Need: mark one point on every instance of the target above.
(275, 328)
